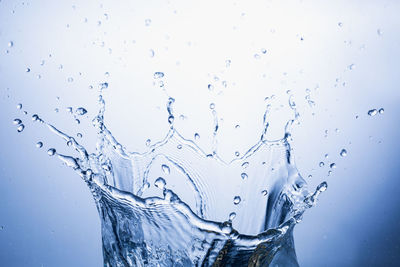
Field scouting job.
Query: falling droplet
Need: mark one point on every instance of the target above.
(179, 146)
(19, 106)
(232, 216)
(379, 32)
(352, 66)
(17, 122)
(343, 152)
(20, 128)
(264, 192)
(148, 142)
(70, 79)
(51, 152)
(196, 136)
(158, 75)
(237, 154)
(27, 70)
(210, 87)
(332, 166)
(39, 144)
(372, 112)
(244, 176)
(263, 50)
(212, 106)
(326, 156)
(321, 164)
(10, 44)
(245, 165)
(171, 119)
(160, 183)
(237, 126)
(81, 111)
(103, 86)
(381, 111)
(236, 200)
(322, 187)
(35, 117)
(165, 168)
(79, 135)
(340, 24)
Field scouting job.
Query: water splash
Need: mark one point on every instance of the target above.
(169, 205)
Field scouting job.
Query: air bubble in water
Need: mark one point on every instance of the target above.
(81, 111)
(19, 106)
(20, 128)
(236, 200)
(372, 112)
(51, 152)
(264, 192)
(17, 122)
(244, 175)
(343, 152)
(321, 164)
(160, 183)
(158, 75)
(39, 144)
(165, 168)
(381, 111)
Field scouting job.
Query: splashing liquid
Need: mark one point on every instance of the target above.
(175, 205)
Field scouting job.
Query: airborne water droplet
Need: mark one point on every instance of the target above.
(165, 168)
(321, 164)
(237, 154)
(322, 186)
(17, 122)
(244, 176)
(27, 70)
(245, 165)
(160, 183)
(381, 111)
(352, 66)
(39, 144)
(19, 106)
(332, 166)
(264, 192)
(343, 152)
(372, 112)
(196, 136)
(81, 111)
(147, 22)
(10, 44)
(210, 87)
(232, 216)
(179, 146)
(35, 117)
(158, 75)
(212, 106)
(148, 142)
(236, 200)
(51, 152)
(20, 128)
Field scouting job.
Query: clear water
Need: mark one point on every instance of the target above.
(176, 205)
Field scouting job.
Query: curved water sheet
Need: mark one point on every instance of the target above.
(178, 206)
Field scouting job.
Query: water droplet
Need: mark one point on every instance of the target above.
(20, 128)
(103, 86)
(17, 122)
(372, 112)
(352, 66)
(244, 175)
(179, 146)
(81, 111)
(148, 142)
(326, 156)
(321, 164)
(236, 200)
(232, 216)
(27, 70)
(264, 192)
(228, 63)
(237, 126)
(147, 22)
(210, 87)
(263, 50)
(77, 121)
(171, 119)
(70, 79)
(39, 144)
(212, 106)
(19, 106)
(379, 32)
(79, 135)
(237, 154)
(165, 169)
(322, 186)
(35, 117)
(160, 183)
(196, 136)
(51, 152)
(343, 152)
(158, 75)
(151, 53)
(340, 24)
(381, 111)
(10, 44)
(245, 165)
(332, 166)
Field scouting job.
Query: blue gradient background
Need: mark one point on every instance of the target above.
(47, 215)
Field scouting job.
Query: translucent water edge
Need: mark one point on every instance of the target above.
(175, 205)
